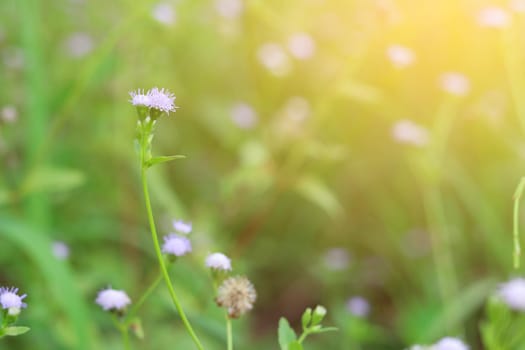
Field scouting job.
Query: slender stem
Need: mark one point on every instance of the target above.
(229, 333)
(303, 336)
(515, 230)
(160, 258)
(138, 304)
(125, 336)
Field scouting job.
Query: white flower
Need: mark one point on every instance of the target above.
(406, 131)
(455, 83)
(9, 299)
(517, 5)
(274, 58)
(176, 245)
(337, 259)
(400, 56)
(164, 13)
(243, 115)
(9, 114)
(60, 250)
(219, 261)
(182, 227)
(301, 46)
(229, 8)
(493, 17)
(111, 299)
(450, 343)
(513, 294)
(79, 44)
(237, 295)
(358, 306)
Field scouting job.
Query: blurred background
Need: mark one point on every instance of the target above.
(360, 154)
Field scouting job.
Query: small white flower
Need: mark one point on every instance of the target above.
(274, 58)
(176, 245)
(9, 114)
(358, 306)
(301, 46)
(455, 83)
(244, 116)
(400, 56)
(60, 250)
(337, 259)
(406, 131)
(111, 299)
(493, 17)
(164, 13)
(229, 8)
(182, 226)
(79, 45)
(9, 298)
(450, 343)
(219, 261)
(162, 99)
(513, 294)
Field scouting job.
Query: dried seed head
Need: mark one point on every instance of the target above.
(236, 294)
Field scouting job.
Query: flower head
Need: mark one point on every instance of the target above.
(449, 343)
(493, 17)
(400, 56)
(244, 116)
(60, 250)
(455, 83)
(139, 98)
(112, 299)
(219, 261)
(229, 8)
(237, 295)
(358, 306)
(161, 100)
(513, 294)
(176, 245)
(301, 46)
(9, 298)
(182, 226)
(163, 12)
(406, 131)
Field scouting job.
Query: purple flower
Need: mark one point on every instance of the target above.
(10, 299)
(176, 245)
(513, 294)
(358, 306)
(111, 299)
(219, 261)
(161, 100)
(182, 227)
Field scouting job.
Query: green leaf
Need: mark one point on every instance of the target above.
(306, 318)
(14, 331)
(325, 329)
(295, 345)
(319, 194)
(163, 159)
(286, 334)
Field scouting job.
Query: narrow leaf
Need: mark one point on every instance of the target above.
(14, 331)
(163, 159)
(295, 345)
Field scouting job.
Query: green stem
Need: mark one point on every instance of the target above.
(303, 336)
(229, 333)
(160, 258)
(142, 299)
(125, 337)
(515, 231)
